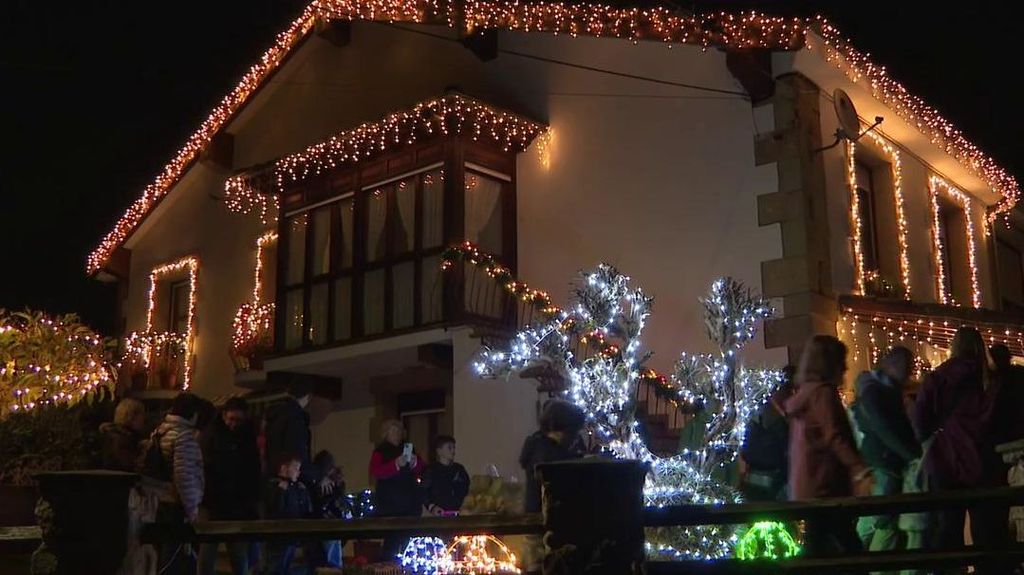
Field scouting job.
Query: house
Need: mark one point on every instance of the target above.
(310, 211)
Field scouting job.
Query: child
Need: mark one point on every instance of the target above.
(285, 497)
(444, 482)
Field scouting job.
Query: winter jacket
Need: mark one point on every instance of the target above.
(120, 448)
(889, 442)
(445, 486)
(397, 493)
(767, 442)
(290, 502)
(287, 435)
(539, 448)
(179, 444)
(823, 458)
(233, 475)
(954, 410)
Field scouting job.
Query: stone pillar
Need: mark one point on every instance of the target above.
(593, 517)
(83, 516)
(1013, 454)
(802, 277)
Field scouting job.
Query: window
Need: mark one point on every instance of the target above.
(363, 259)
(952, 233)
(868, 228)
(180, 293)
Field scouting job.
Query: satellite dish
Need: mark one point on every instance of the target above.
(849, 121)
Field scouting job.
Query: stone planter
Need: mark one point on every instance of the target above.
(1013, 453)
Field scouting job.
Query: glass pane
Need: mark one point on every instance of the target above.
(346, 209)
(433, 208)
(403, 278)
(432, 290)
(179, 307)
(403, 227)
(321, 241)
(293, 319)
(343, 309)
(373, 302)
(318, 314)
(297, 248)
(268, 273)
(376, 216)
(483, 212)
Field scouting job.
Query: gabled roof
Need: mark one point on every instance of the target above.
(737, 31)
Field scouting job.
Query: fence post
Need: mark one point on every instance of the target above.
(83, 516)
(593, 516)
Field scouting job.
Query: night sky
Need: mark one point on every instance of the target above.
(98, 96)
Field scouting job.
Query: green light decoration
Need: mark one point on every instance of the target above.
(767, 540)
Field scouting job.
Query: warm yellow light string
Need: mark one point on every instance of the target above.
(190, 263)
(728, 30)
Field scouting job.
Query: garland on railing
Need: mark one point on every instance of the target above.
(541, 302)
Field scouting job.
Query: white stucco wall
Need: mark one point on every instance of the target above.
(919, 159)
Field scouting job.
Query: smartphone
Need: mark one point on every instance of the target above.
(407, 450)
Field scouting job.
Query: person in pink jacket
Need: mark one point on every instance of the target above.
(823, 457)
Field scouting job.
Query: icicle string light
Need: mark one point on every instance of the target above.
(936, 185)
(722, 29)
(454, 114)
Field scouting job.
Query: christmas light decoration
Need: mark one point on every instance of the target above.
(935, 185)
(607, 318)
(252, 328)
(767, 540)
(895, 166)
(422, 555)
(46, 360)
(145, 344)
(942, 133)
(478, 555)
(923, 332)
(449, 115)
(727, 30)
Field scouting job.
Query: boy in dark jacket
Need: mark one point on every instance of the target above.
(444, 482)
(285, 497)
(560, 424)
(889, 444)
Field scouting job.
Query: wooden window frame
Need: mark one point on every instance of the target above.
(869, 229)
(451, 155)
(172, 300)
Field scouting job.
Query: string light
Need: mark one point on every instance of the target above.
(767, 540)
(422, 555)
(608, 316)
(450, 115)
(942, 133)
(740, 31)
(143, 345)
(927, 334)
(478, 555)
(896, 169)
(47, 360)
(252, 328)
(935, 185)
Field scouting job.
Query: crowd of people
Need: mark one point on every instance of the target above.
(806, 444)
(222, 464)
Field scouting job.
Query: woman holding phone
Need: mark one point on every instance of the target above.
(396, 467)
